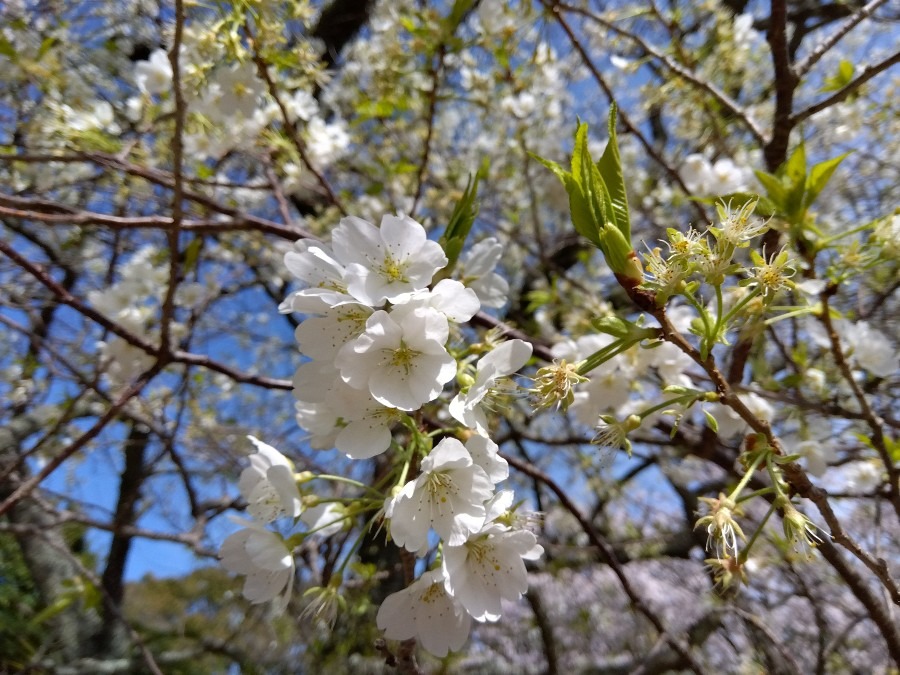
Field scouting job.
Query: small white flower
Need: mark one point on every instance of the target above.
(315, 264)
(154, 76)
(450, 298)
(400, 358)
(268, 484)
(321, 337)
(386, 263)
(366, 423)
(485, 454)
(448, 495)
(504, 360)
(488, 568)
(264, 557)
(427, 612)
(325, 519)
(476, 270)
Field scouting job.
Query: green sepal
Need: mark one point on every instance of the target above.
(819, 176)
(711, 421)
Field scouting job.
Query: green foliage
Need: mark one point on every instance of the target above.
(792, 189)
(461, 221)
(841, 78)
(19, 601)
(597, 200)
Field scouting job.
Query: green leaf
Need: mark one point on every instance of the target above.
(7, 49)
(819, 176)
(794, 169)
(461, 220)
(794, 179)
(580, 152)
(191, 254)
(46, 44)
(458, 13)
(610, 167)
(560, 172)
(841, 79)
(774, 188)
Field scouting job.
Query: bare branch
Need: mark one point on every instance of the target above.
(867, 74)
(804, 66)
(724, 99)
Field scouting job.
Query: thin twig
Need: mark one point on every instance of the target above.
(867, 74)
(177, 356)
(724, 99)
(804, 66)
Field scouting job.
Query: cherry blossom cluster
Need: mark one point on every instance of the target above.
(381, 319)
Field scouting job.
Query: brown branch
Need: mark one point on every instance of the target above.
(177, 356)
(793, 473)
(262, 69)
(436, 71)
(867, 74)
(876, 609)
(136, 387)
(871, 419)
(823, 47)
(607, 555)
(540, 348)
(724, 99)
(163, 179)
(775, 151)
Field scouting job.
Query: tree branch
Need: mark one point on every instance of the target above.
(867, 74)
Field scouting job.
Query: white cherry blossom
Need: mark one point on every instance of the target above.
(448, 495)
(263, 556)
(403, 365)
(425, 611)
(154, 76)
(488, 568)
(504, 360)
(449, 297)
(485, 454)
(314, 264)
(476, 270)
(387, 262)
(268, 484)
(321, 337)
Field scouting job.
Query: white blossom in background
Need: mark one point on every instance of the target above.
(326, 141)
(425, 611)
(609, 385)
(154, 76)
(730, 423)
(704, 178)
(325, 518)
(871, 349)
